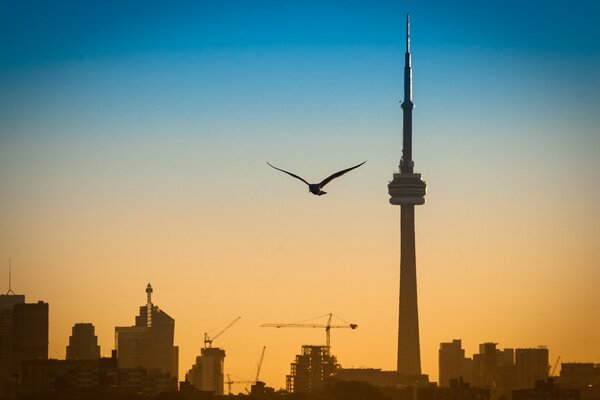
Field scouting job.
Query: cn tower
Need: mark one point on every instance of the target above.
(407, 190)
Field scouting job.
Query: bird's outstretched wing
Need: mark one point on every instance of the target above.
(338, 174)
(289, 173)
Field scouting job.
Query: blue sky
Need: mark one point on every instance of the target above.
(38, 32)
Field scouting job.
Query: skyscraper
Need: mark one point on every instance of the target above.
(531, 365)
(407, 190)
(83, 343)
(30, 332)
(148, 344)
(452, 363)
(7, 368)
(207, 373)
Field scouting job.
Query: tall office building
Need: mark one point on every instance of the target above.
(7, 367)
(407, 190)
(30, 332)
(83, 343)
(452, 363)
(207, 373)
(531, 366)
(148, 344)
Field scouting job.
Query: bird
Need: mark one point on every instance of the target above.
(317, 188)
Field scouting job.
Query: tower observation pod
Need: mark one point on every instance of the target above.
(407, 190)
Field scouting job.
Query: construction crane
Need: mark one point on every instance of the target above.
(208, 340)
(262, 357)
(230, 382)
(327, 326)
(554, 368)
(259, 365)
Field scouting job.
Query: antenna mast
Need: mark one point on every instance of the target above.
(9, 277)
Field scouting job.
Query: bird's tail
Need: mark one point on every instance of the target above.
(321, 193)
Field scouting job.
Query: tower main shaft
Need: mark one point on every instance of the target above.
(407, 190)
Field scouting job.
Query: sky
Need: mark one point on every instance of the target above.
(133, 147)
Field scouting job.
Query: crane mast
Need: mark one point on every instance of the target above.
(208, 340)
(229, 382)
(262, 356)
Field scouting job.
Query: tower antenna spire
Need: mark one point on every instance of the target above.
(406, 163)
(9, 277)
(408, 33)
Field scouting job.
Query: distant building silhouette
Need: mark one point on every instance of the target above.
(83, 343)
(42, 377)
(379, 378)
(494, 368)
(407, 190)
(584, 377)
(207, 373)
(30, 331)
(579, 374)
(7, 364)
(453, 365)
(460, 390)
(23, 336)
(545, 390)
(502, 371)
(310, 370)
(90, 379)
(531, 366)
(149, 344)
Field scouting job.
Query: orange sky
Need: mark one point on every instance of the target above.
(508, 258)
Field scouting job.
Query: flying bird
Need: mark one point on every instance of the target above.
(317, 188)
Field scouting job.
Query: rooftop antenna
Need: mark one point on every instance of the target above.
(149, 305)
(9, 277)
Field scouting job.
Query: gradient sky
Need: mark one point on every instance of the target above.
(133, 142)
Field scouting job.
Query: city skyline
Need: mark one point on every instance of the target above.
(133, 149)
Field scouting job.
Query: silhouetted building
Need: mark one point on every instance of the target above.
(407, 190)
(90, 379)
(259, 390)
(494, 368)
(485, 365)
(7, 364)
(531, 366)
(23, 336)
(453, 364)
(378, 378)
(49, 376)
(545, 390)
(149, 344)
(584, 377)
(30, 332)
(83, 343)
(457, 389)
(579, 374)
(207, 373)
(310, 370)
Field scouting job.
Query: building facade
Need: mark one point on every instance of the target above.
(83, 343)
(453, 364)
(149, 344)
(311, 369)
(7, 365)
(207, 374)
(532, 365)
